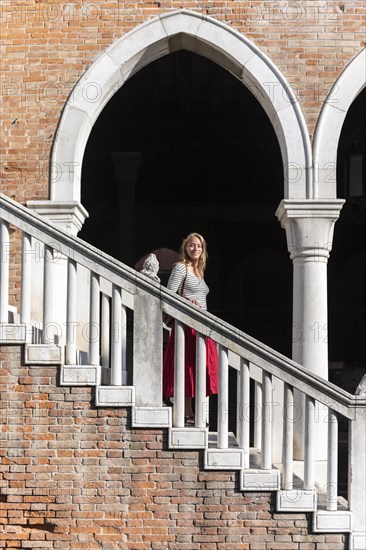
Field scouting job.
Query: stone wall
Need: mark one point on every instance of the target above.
(77, 477)
(47, 47)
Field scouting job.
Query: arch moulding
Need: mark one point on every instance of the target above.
(328, 130)
(182, 29)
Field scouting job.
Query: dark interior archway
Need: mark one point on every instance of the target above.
(347, 267)
(184, 146)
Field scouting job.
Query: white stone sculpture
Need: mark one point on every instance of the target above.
(151, 267)
(361, 388)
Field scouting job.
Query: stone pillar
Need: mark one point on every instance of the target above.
(309, 226)
(147, 350)
(68, 217)
(357, 474)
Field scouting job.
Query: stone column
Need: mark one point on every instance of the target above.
(309, 226)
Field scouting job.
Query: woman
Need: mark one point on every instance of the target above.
(187, 278)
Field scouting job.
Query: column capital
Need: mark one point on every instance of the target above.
(309, 225)
(68, 216)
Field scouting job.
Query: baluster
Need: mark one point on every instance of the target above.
(332, 466)
(239, 406)
(309, 454)
(124, 343)
(267, 419)
(223, 400)
(200, 389)
(288, 433)
(71, 312)
(257, 420)
(48, 335)
(243, 409)
(25, 289)
(4, 271)
(117, 337)
(94, 319)
(206, 410)
(178, 410)
(106, 334)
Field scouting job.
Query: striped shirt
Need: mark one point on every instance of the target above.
(194, 287)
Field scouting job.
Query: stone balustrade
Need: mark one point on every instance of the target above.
(109, 335)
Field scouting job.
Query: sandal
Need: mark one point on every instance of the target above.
(190, 420)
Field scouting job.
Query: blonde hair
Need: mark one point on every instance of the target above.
(203, 258)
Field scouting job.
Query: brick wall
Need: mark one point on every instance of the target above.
(75, 477)
(48, 45)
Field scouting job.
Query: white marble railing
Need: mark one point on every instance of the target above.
(124, 309)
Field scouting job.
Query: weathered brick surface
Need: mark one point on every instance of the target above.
(75, 477)
(47, 46)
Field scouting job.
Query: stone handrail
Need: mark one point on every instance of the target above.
(223, 333)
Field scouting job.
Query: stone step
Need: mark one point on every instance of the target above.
(335, 521)
(43, 354)
(11, 333)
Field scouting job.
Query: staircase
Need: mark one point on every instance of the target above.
(100, 323)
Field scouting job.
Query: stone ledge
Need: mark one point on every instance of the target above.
(339, 521)
(43, 354)
(188, 438)
(80, 375)
(260, 480)
(152, 417)
(224, 459)
(115, 396)
(298, 500)
(11, 333)
(357, 541)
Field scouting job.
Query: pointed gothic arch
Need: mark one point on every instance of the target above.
(328, 130)
(182, 29)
